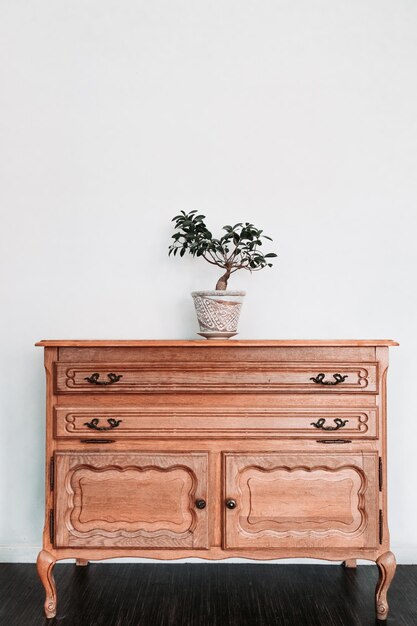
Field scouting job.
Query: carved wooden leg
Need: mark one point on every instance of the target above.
(386, 565)
(45, 565)
(81, 562)
(350, 563)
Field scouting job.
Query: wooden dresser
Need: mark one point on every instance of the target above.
(216, 449)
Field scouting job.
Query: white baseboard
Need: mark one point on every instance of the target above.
(28, 554)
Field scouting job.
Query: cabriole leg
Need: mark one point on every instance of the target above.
(45, 565)
(386, 565)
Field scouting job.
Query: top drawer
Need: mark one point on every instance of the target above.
(216, 377)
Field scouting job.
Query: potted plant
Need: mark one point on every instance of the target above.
(238, 249)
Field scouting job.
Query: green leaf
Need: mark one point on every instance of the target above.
(237, 248)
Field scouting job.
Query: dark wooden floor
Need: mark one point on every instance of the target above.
(205, 595)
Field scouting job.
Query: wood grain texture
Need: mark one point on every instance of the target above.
(199, 421)
(91, 343)
(386, 566)
(195, 351)
(213, 422)
(237, 402)
(219, 553)
(301, 500)
(207, 594)
(112, 500)
(219, 377)
(50, 356)
(45, 565)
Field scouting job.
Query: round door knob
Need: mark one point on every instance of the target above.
(231, 504)
(200, 504)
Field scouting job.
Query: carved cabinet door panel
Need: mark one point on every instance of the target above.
(129, 499)
(301, 500)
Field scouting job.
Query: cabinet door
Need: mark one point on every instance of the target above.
(305, 500)
(132, 500)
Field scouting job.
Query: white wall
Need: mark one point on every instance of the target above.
(297, 115)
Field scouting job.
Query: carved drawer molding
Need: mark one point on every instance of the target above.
(214, 422)
(221, 377)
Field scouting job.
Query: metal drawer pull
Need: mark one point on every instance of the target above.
(320, 424)
(338, 378)
(94, 379)
(94, 424)
(97, 440)
(231, 504)
(334, 441)
(200, 504)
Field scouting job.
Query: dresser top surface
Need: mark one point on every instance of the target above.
(201, 343)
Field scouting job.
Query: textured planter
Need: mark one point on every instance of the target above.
(218, 312)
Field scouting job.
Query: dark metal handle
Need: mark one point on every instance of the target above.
(94, 424)
(97, 440)
(94, 379)
(200, 504)
(319, 379)
(231, 504)
(320, 424)
(334, 440)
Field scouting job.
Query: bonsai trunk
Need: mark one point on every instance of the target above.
(221, 284)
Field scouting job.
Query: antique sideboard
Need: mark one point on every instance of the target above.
(216, 449)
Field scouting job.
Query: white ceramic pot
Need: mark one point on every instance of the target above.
(218, 312)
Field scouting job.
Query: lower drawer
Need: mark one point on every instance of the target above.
(215, 422)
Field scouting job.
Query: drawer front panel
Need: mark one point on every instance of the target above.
(128, 499)
(220, 377)
(304, 500)
(214, 422)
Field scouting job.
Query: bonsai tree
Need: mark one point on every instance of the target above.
(237, 249)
